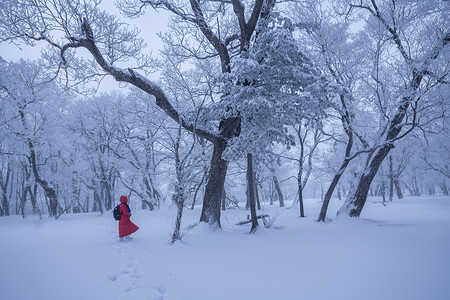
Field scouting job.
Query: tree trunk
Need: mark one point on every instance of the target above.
(4, 186)
(383, 187)
(98, 206)
(300, 175)
(391, 179)
(329, 193)
(258, 203)
(444, 188)
(251, 192)
(357, 198)
(278, 190)
(416, 187)
(176, 233)
(224, 198)
(214, 188)
(398, 189)
(337, 176)
(300, 196)
(197, 189)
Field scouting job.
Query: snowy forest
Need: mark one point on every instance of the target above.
(270, 149)
(247, 102)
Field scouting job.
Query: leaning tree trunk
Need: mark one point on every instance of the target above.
(278, 190)
(49, 192)
(356, 200)
(345, 162)
(331, 188)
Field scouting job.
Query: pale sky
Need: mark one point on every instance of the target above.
(150, 24)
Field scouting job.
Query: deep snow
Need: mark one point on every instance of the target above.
(401, 251)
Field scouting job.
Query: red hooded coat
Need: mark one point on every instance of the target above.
(126, 227)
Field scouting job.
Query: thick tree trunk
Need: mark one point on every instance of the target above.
(357, 198)
(214, 188)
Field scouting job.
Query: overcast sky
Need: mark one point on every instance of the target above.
(150, 24)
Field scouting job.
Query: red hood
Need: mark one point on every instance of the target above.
(123, 199)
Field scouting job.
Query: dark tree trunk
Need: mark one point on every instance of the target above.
(300, 197)
(251, 192)
(214, 188)
(50, 192)
(357, 199)
(51, 195)
(224, 198)
(228, 128)
(300, 175)
(337, 176)
(391, 179)
(329, 193)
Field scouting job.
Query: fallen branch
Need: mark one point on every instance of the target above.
(250, 220)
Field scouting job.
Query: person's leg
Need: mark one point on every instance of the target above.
(128, 238)
(121, 239)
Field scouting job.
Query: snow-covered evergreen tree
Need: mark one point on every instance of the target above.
(272, 87)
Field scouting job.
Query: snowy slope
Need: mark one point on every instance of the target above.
(400, 251)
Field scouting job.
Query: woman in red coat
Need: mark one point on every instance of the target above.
(126, 227)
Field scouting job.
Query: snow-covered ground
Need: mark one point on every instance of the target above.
(401, 251)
